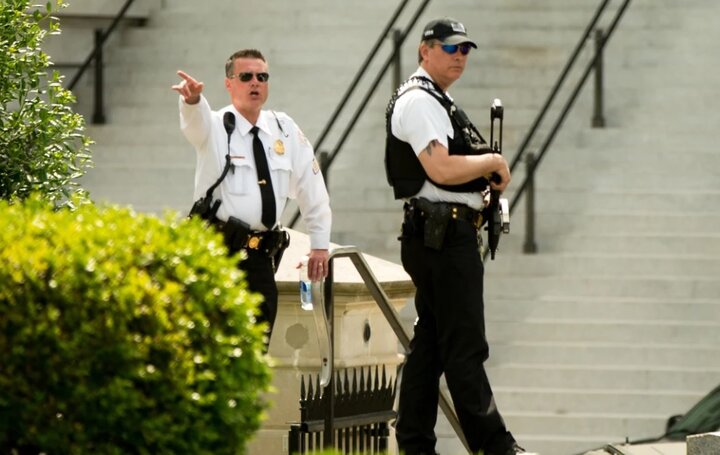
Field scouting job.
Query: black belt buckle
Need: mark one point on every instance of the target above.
(467, 213)
(478, 220)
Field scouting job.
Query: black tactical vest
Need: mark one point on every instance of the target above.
(404, 171)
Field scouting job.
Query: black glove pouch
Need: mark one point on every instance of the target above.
(437, 217)
(235, 232)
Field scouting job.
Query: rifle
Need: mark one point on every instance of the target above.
(498, 210)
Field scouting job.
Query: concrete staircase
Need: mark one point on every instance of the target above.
(613, 325)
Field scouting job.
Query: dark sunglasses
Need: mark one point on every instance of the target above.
(247, 77)
(452, 48)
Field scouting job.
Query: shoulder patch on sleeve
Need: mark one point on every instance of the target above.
(316, 166)
(302, 138)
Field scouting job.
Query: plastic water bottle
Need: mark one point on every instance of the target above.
(305, 286)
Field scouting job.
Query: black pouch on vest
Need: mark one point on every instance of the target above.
(235, 232)
(437, 217)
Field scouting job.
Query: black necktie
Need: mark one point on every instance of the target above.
(263, 175)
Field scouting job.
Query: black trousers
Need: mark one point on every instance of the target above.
(449, 338)
(260, 277)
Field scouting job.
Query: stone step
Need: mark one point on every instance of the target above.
(139, 187)
(618, 330)
(605, 201)
(175, 152)
(607, 264)
(685, 240)
(281, 99)
(632, 222)
(612, 426)
(564, 159)
(552, 29)
(688, 135)
(521, 103)
(588, 400)
(625, 179)
(698, 245)
(618, 413)
(608, 377)
(701, 286)
(564, 308)
(140, 136)
(93, 9)
(529, 5)
(576, 433)
(184, 52)
(544, 444)
(231, 18)
(639, 355)
(639, 238)
(685, 201)
(308, 15)
(627, 175)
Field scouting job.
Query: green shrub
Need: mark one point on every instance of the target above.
(123, 333)
(42, 146)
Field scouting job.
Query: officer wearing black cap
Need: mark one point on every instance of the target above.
(439, 164)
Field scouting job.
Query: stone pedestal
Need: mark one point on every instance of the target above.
(362, 335)
(703, 444)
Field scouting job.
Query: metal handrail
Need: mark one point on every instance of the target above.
(369, 93)
(571, 100)
(383, 301)
(374, 85)
(98, 45)
(360, 73)
(96, 55)
(558, 83)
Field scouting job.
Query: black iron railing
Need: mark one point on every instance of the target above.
(95, 58)
(363, 408)
(533, 160)
(397, 40)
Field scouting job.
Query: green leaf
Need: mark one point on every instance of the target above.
(36, 113)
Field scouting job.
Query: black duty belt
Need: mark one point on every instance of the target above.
(436, 216)
(237, 238)
(425, 208)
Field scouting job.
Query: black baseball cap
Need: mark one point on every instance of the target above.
(447, 31)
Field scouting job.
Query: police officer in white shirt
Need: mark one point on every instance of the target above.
(226, 142)
(438, 163)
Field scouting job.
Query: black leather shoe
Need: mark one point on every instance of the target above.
(516, 449)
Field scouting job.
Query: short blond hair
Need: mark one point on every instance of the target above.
(430, 43)
(243, 53)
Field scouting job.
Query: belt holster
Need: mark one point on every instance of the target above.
(274, 244)
(437, 217)
(236, 233)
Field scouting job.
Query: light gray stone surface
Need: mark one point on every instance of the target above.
(612, 326)
(703, 444)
